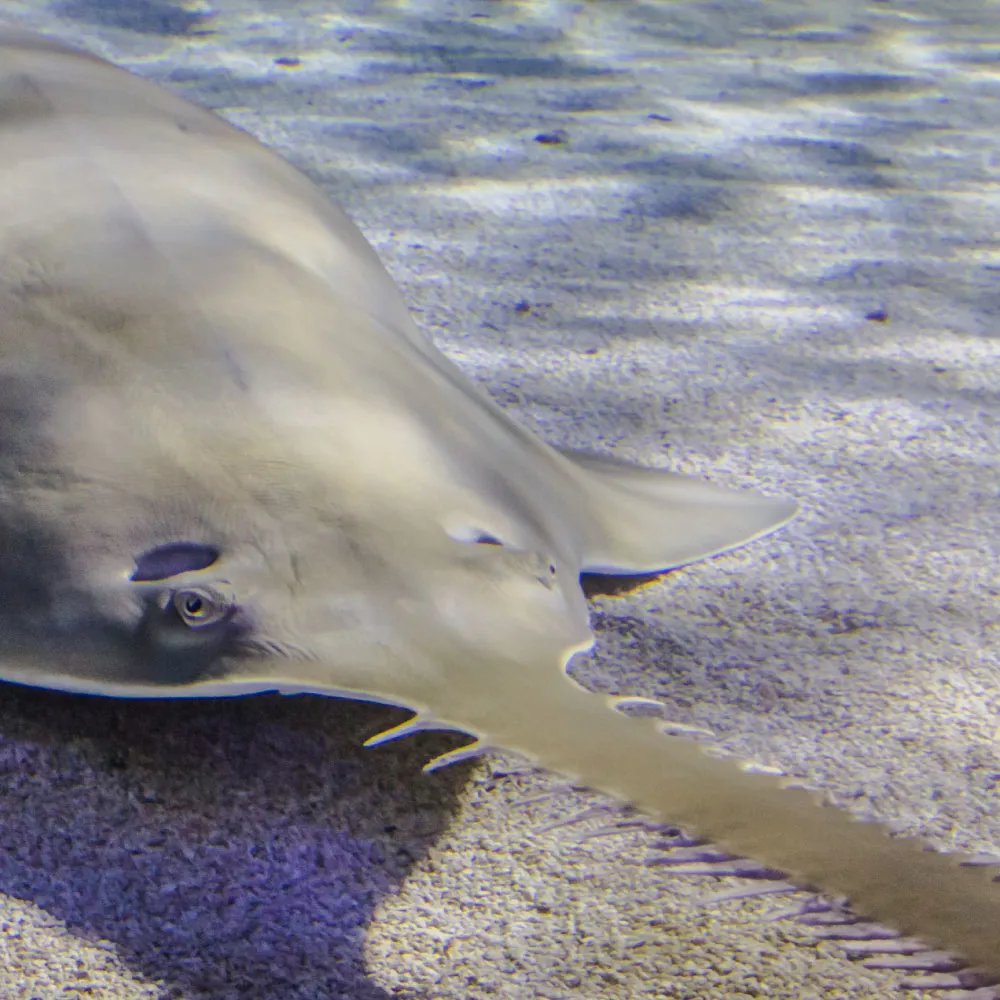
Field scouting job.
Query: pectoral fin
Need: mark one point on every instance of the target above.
(643, 520)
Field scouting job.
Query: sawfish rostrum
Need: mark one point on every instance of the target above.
(230, 463)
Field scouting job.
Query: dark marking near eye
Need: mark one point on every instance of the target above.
(169, 560)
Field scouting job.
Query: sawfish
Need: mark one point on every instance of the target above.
(231, 463)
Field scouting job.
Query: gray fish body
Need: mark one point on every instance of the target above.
(230, 463)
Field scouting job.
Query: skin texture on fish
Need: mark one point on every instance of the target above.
(195, 303)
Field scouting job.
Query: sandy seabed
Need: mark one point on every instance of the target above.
(750, 241)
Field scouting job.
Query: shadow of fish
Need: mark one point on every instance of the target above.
(230, 463)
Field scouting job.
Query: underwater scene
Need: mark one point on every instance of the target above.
(678, 495)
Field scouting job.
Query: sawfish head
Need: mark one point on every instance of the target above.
(229, 462)
(261, 519)
(252, 485)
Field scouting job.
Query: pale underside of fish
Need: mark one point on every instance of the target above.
(230, 463)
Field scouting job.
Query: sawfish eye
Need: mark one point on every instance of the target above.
(198, 608)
